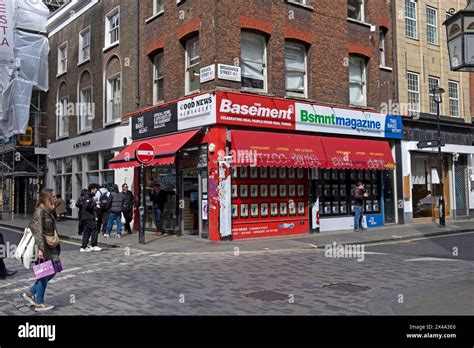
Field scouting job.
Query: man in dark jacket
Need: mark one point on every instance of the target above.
(358, 195)
(115, 207)
(4, 272)
(89, 220)
(128, 204)
(80, 201)
(159, 199)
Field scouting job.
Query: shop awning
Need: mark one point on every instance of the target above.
(276, 150)
(358, 154)
(165, 150)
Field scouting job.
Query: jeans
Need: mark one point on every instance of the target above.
(90, 231)
(358, 217)
(117, 218)
(158, 220)
(39, 289)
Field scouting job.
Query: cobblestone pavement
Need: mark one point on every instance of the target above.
(296, 281)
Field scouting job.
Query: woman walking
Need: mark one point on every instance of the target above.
(43, 227)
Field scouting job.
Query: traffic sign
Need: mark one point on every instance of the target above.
(430, 143)
(145, 153)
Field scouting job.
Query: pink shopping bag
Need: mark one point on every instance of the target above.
(43, 270)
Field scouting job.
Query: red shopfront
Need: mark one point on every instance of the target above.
(270, 173)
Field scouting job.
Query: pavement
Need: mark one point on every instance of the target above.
(193, 244)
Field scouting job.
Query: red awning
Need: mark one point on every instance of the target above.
(165, 149)
(276, 150)
(358, 154)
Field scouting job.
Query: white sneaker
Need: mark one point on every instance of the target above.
(86, 250)
(119, 236)
(96, 248)
(43, 307)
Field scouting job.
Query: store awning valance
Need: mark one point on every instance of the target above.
(165, 150)
(276, 150)
(358, 154)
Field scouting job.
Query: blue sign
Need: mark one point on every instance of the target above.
(393, 127)
(375, 220)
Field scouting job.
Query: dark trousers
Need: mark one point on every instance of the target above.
(80, 228)
(90, 231)
(128, 216)
(103, 219)
(2, 264)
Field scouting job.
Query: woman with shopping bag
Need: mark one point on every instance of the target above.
(43, 228)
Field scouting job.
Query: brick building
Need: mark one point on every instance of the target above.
(209, 69)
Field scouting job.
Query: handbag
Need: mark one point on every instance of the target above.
(43, 270)
(52, 241)
(26, 249)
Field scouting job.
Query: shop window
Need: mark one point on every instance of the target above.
(432, 83)
(158, 79)
(253, 61)
(295, 69)
(411, 30)
(192, 66)
(58, 166)
(68, 165)
(357, 81)
(93, 160)
(107, 156)
(355, 9)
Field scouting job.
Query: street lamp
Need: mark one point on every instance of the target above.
(437, 92)
(460, 36)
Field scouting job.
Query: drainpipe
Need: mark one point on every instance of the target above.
(137, 77)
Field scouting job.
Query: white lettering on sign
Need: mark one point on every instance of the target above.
(256, 110)
(145, 153)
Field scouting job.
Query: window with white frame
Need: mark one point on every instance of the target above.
(432, 83)
(158, 79)
(112, 32)
(114, 98)
(432, 25)
(454, 98)
(413, 81)
(62, 118)
(411, 30)
(357, 80)
(158, 6)
(86, 110)
(295, 69)
(382, 48)
(193, 66)
(62, 58)
(355, 9)
(84, 45)
(253, 61)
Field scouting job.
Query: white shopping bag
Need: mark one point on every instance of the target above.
(26, 249)
(364, 222)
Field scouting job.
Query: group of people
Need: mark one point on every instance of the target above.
(100, 209)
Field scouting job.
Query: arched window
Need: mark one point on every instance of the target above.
(86, 109)
(113, 91)
(62, 115)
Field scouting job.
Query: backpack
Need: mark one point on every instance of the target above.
(103, 200)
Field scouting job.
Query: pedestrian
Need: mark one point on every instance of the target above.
(4, 272)
(60, 208)
(159, 198)
(89, 206)
(128, 204)
(358, 195)
(115, 208)
(43, 227)
(80, 201)
(102, 197)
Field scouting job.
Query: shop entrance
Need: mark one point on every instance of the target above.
(194, 217)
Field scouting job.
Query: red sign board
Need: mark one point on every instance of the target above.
(254, 111)
(145, 153)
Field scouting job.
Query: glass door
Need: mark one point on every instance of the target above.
(190, 194)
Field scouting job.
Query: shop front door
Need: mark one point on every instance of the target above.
(190, 193)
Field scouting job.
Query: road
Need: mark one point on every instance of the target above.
(419, 277)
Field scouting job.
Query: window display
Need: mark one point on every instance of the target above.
(327, 208)
(263, 172)
(335, 174)
(343, 207)
(234, 172)
(335, 207)
(264, 209)
(283, 209)
(263, 191)
(327, 190)
(273, 173)
(273, 191)
(301, 190)
(234, 191)
(299, 173)
(274, 209)
(282, 173)
(368, 206)
(282, 191)
(291, 173)
(300, 208)
(292, 191)
(235, 213)
(243, 172)
(292, 208)
(335, 190)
